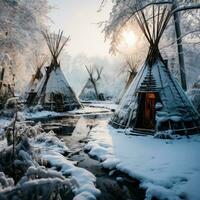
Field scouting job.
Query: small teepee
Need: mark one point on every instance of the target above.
(40, 60)
(155, 102)
(130, 67)
(91, 90)
(54, 92)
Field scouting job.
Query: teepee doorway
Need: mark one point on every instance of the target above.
(58, 100)
(146, 110)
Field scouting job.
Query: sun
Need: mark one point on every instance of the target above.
(129, 38)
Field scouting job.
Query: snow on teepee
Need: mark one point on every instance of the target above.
(54, 92)
(92, 88)
(155, 102)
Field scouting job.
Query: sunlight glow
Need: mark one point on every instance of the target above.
(129, 38)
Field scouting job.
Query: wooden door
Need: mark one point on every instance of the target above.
(145, 118)
(149, 114)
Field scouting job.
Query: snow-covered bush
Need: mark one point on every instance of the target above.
(49, 140)
(32, 181)
(21, 129)
(15, 160)
(5, 182)
(38, 183)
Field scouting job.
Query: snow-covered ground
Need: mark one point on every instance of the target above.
(89, 109)
(103, 104)
(167, 169)
(39, 114)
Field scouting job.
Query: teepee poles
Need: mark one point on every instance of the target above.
(153, 34)
(55, 43)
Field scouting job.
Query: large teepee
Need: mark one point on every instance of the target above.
(54, 92)
(155, 101)
(92, 89)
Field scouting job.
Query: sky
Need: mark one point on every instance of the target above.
(79, 18)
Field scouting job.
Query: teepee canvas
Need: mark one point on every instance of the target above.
(92, 90)
(155, 101)
(54, 92)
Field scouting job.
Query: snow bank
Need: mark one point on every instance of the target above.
(104, 104)
(51, 149)
(167, 169)
(40, 114)
(89, 109)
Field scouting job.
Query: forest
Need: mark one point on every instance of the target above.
(99, 100)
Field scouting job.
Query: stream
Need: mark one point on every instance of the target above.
(117, 186)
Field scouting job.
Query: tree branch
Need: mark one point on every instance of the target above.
(182, 8)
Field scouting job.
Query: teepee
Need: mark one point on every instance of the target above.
(130, 67)
(155, 102)
(40, 60)
(92, 90)
(54, 92)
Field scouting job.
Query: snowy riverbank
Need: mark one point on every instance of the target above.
(36, 145)
(91, 108)
(167, 169)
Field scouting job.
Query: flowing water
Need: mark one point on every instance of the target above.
(117, 186)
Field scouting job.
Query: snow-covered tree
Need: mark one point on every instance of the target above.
(21, 23)
(123, 12)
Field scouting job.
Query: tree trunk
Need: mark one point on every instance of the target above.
(179, 46)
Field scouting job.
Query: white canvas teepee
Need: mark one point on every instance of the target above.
(92, 89)
(155, 101)
(54, 92)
